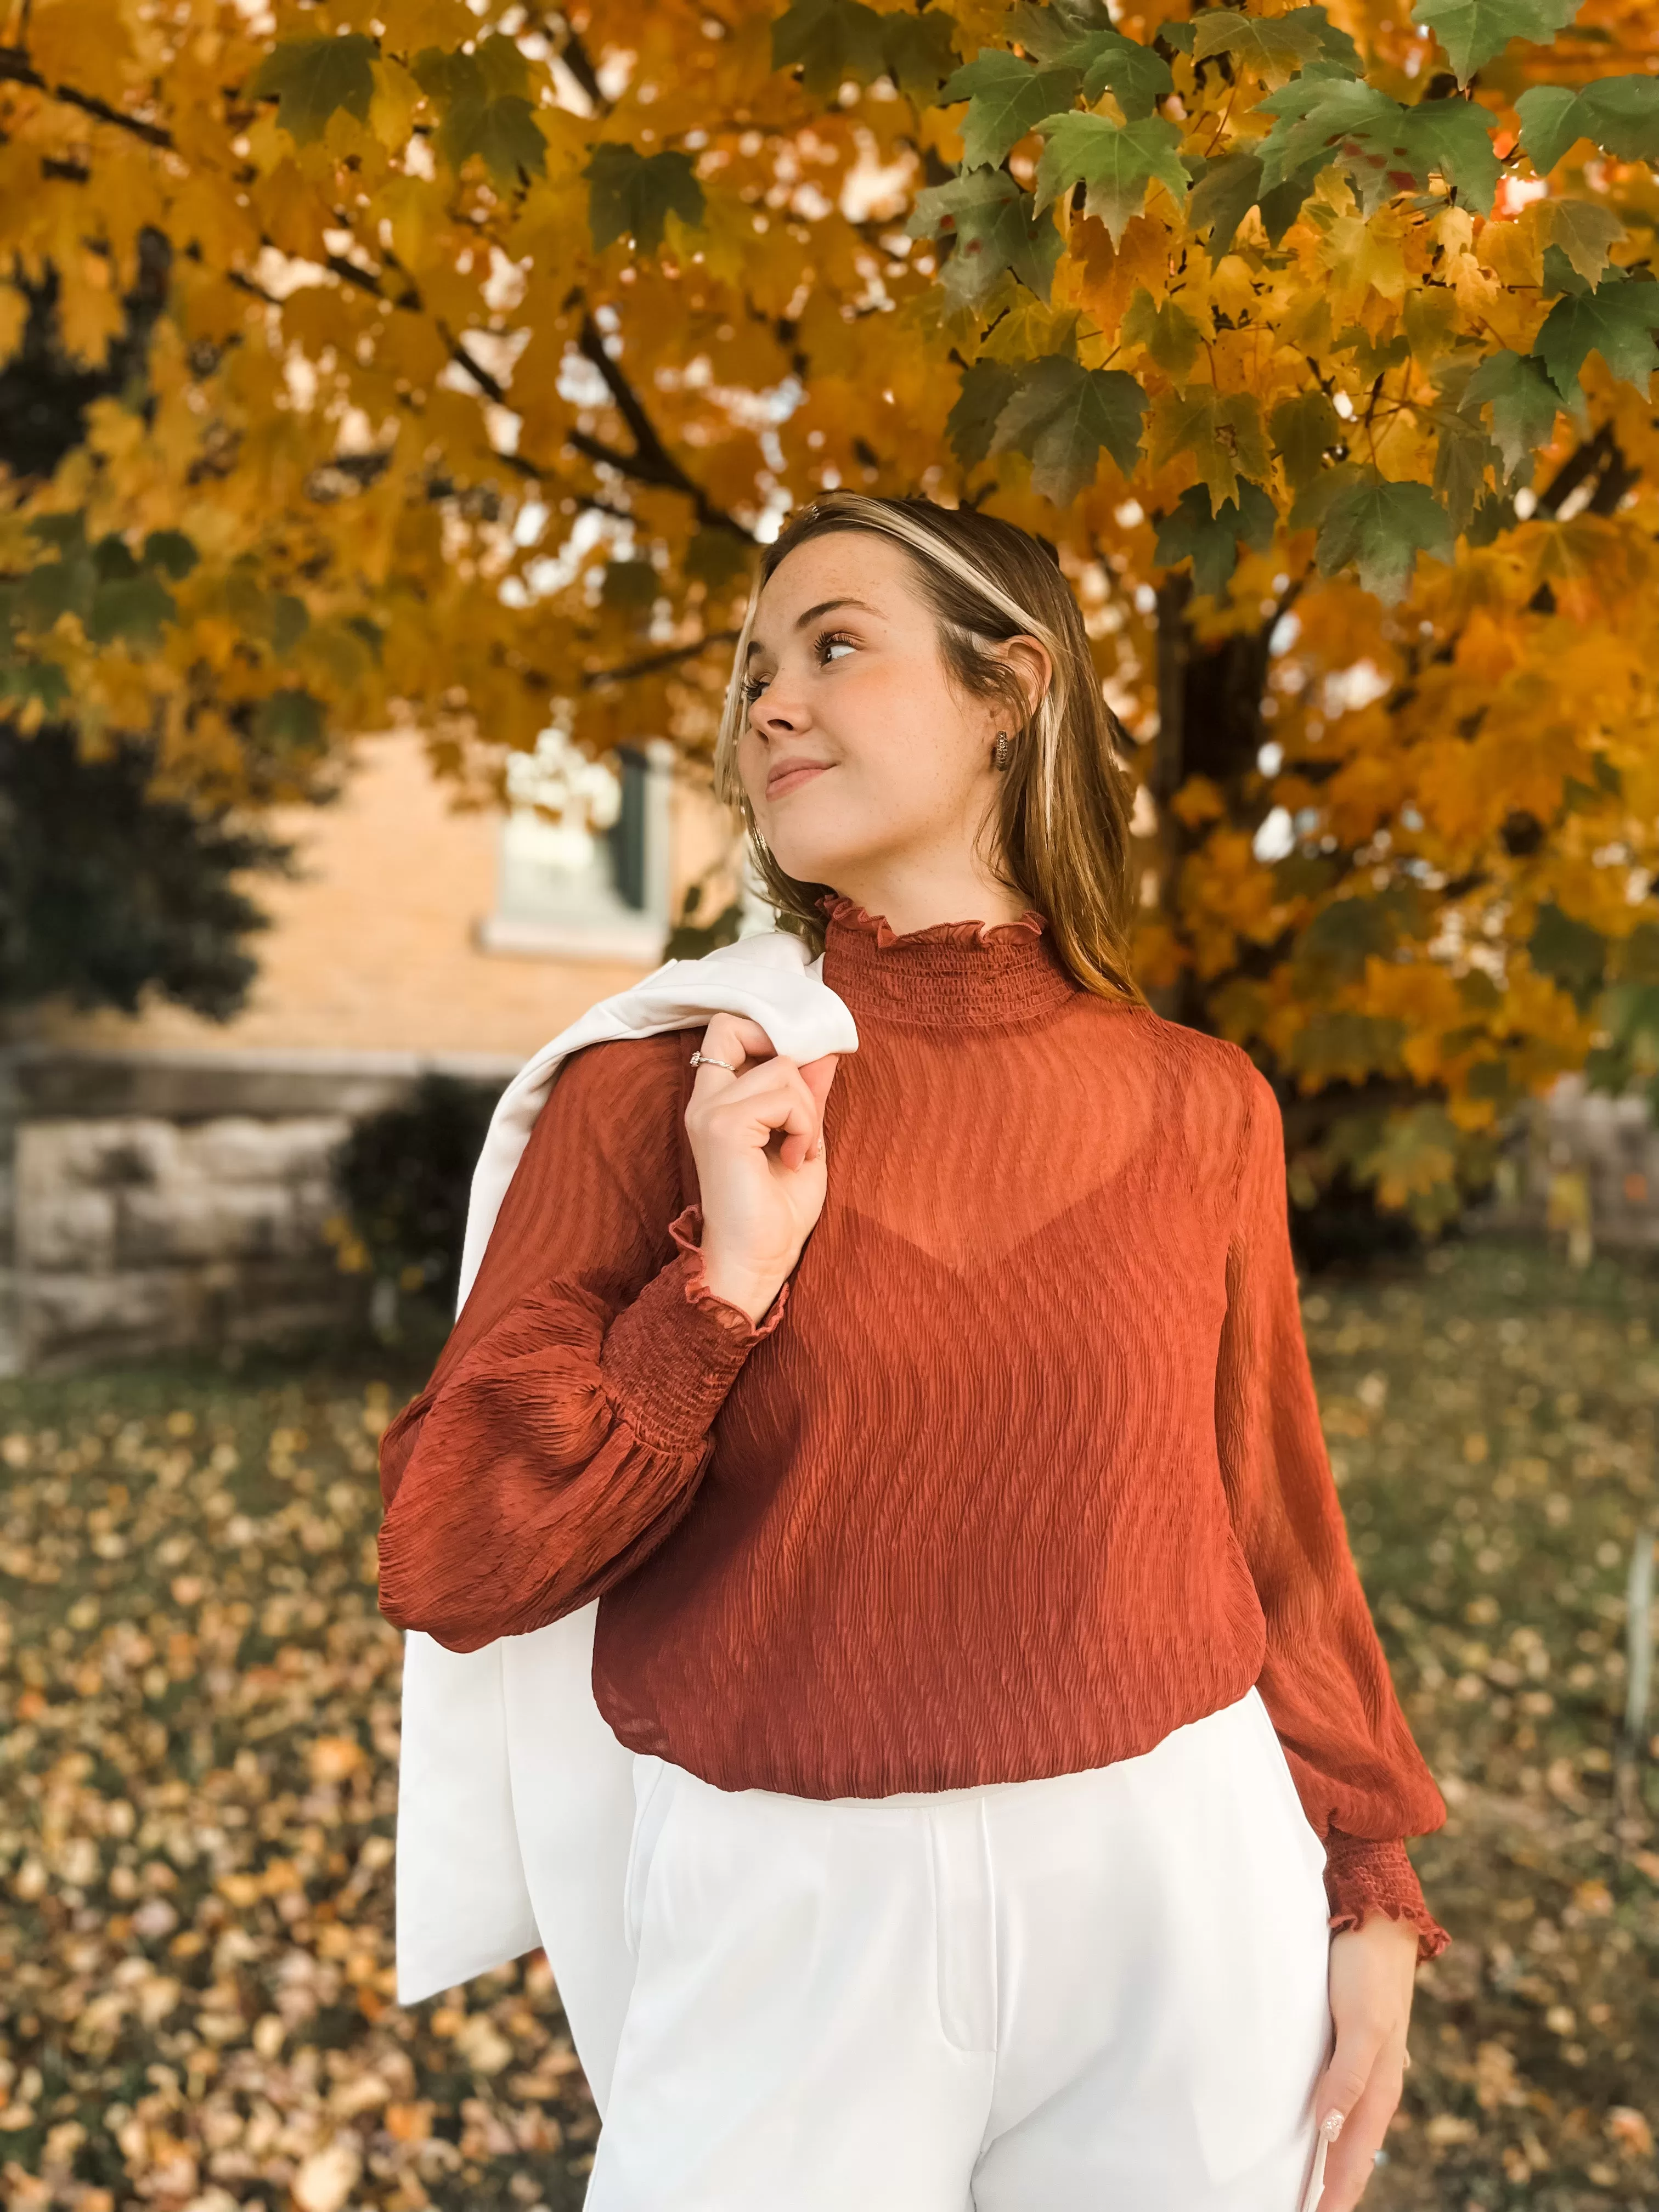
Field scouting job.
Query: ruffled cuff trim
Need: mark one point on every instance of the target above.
(686, 1230)
(670, 1358)
(1363, 1876)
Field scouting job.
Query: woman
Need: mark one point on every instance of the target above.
(1021, 1789)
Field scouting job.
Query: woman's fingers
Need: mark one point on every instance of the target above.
(1352, 2160)
(1359, 2043)
(770, 1099)
(757, 1066)
(1371, 1973)
(1340, 2103)
(736, 1038)
(818, 1075)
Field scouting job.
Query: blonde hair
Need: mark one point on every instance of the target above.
(1062, 817)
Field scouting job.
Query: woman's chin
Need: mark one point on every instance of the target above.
(810, 861)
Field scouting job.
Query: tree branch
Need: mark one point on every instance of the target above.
(1597, 455)
(651, 462)
(576, 57)
(16, 67)
(653, 661)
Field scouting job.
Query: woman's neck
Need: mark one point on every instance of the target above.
(910, 900)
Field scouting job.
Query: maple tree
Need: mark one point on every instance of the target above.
(1317, 340)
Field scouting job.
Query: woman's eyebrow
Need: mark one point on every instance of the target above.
(811, 614)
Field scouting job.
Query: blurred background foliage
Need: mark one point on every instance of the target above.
(440, 363)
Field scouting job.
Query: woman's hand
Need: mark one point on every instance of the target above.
(1372, 1969)
(757, 1138)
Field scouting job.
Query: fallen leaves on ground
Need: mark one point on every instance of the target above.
(199, 1779)
(200, 1713)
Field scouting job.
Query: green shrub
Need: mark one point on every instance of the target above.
(404, 1177)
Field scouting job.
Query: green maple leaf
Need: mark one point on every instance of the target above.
(919, 54)
(1210, 541)
(1165, 329)
(1462, 455)
(1617, 321)
(1584, 232)
(1114, 161)
(1136, 77)
(1072, 39)
(987, 386)
(504, 132)
(311, 79)
(1383, 147)
(1229, 186)
(1221, 430)
(1274, 47)
(131, 607)
(1620, 113)
(484, 99)
(172, 552)
(1046, 32)
(1311, 118)
(1523, 402)
(1371, 359)
(1303, 430)
(631, 193)
(1455, 136)
(1382, 528)
(1062, 415)
(1473, 31)
(290, 721)
(831, 41)
(1354, 1046)
(1007, 97)
(1569, 951)
(996, 226)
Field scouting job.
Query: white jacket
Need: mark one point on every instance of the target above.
(515, 1801)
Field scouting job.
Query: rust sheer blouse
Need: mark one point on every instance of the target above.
(1022, 1470)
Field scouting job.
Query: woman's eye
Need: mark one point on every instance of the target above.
(754, 685)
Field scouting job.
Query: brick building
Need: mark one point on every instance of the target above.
(164, 1179)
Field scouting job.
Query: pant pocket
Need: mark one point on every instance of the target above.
(653, 1780)
(1261, 2025)
(1301, 1828)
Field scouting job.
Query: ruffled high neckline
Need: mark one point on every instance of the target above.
(952, 974)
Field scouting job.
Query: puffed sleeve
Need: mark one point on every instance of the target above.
(566, 1425)
(1325, 1682)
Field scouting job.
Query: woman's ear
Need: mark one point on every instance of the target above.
(1029, 658)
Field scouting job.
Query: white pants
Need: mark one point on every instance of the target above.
(1095, 1992)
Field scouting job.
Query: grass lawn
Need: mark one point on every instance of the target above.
(198, 1703)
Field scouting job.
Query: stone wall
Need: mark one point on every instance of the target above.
(155, 1202)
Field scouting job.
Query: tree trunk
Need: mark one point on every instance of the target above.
(1209, 724)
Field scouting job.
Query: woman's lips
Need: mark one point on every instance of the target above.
(793, 777)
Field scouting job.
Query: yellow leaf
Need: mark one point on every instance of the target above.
(1366, 254)
(392, 109)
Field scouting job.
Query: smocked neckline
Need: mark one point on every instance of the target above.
(949, 974)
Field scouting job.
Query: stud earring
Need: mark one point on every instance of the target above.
(1000, 751)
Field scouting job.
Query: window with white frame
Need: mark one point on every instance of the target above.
(585, 862)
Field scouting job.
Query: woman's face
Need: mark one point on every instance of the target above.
(857, 756)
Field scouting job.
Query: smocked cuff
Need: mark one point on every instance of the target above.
(669, 1359)
(1362, 1876)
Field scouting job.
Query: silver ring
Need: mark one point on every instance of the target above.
(697, 1057)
